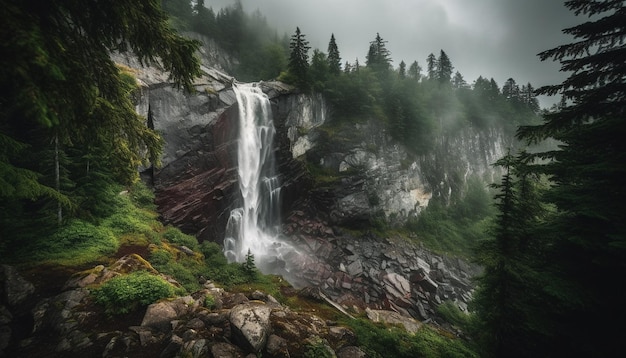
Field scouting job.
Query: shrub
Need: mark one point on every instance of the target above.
(213, 253)
(142, 196)
(175, 236)
(317, 348)
(127, 293)
(209, 302)
(77, 242)
(378, 340)
(451, 313)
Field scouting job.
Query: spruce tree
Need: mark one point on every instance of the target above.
(402, 70)
(378, 56)
(299, 59)
(444, 68)
(334, 60)
(431, 66)
(415, 71)
(62, 92)
(586, 240)
(510, 316)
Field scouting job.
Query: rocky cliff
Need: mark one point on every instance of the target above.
(334, 176)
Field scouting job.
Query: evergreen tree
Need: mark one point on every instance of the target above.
(431, 66)
(230, 24)
(444, 68)
(334, 60)
(415, 71)
(510, 315)
(511, 91)
(62, 91)
(347, 67)
(402, 70)
(203, 20)
(319, 70)
(378, 56)
(529, 98)
(299, 59)
(458, 81)
(586, 241)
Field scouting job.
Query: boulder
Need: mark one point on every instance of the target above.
(13, 287)
(160, 315)
(226, 350)
(250, 324)
(391, 317)
(277, 347)
(351, 352)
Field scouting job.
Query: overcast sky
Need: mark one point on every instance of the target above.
(492, 38)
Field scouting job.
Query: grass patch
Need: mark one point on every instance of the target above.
(76, 243)
(451, 313)
(124, 294)
(379, 340)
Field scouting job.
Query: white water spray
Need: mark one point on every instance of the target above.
(255, 226)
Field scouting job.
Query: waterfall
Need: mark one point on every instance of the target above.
(255, 226)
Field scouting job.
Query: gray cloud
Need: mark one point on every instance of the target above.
(489, 38)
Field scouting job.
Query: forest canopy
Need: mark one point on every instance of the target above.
(68, 125)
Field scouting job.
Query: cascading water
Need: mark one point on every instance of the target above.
(254, 227)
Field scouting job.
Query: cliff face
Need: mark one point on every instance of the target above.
(333, 175)
(376, 177)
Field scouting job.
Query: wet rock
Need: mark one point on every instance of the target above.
(160, 315)
(277, 347)
(14, 288)
(390, 317)
(173, 347)
(351, 352)
(251, 324)
(195, 348)
(226, 350)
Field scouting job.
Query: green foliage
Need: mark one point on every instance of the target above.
(458, 227)
(68, 126)
(318, 348)
(75, 243)
(298, 65)
(451, 313)
(379, 341)
(213, 254)
(176, 236)
(209, 302)
(124, 294)
(248, 266)
(549, 294)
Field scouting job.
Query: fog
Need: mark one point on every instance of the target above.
(489, 38)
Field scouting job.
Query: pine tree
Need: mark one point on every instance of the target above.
(378, 56)
(319, 70)
(586, 245)
(529, 98)
(458, 81)
(431, 66)
(511, 91)
(504, 303)
(334, 60)
(415, 71)
(402, 70)
(444, 68)
(299, 59)
(61, 90)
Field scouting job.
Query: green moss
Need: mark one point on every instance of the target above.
(76, 243)
(379, 340)
(127, 293)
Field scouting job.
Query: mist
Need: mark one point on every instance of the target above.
(497, 39)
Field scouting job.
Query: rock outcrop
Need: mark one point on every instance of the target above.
(70, 324)
(362, 176)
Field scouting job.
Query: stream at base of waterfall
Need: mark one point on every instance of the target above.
(254, 228)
